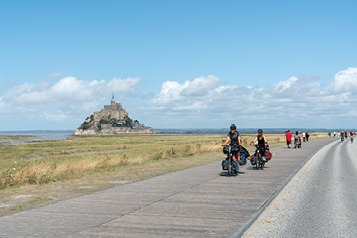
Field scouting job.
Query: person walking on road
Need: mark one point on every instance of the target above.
(303, 136)
(334, 134)
(307, 136)
(297, 140)
(288, 136)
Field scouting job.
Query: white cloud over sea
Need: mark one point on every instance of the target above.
(205, 101)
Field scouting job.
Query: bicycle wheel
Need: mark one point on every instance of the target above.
(230, 166)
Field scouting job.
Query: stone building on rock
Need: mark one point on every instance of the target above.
(112, 119)
(112, 111)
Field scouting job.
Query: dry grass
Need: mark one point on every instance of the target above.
(95, 155)
(75, 158)
(13, 136)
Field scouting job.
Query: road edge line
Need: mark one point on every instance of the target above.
(262, 208)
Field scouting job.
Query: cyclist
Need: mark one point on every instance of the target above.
(234, 137)
(342, 136)
(262, 142)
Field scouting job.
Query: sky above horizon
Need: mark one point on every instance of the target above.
(179, 64)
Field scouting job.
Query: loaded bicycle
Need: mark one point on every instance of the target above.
(230, 163)
(257, 158)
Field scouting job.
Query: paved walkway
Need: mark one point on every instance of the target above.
(196, 202)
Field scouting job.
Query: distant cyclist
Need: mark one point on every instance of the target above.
(342, 136)
(234, 137)
(262, 142)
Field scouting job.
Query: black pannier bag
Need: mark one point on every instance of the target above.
(244, 151)
(224, 165)
(253, 160)
(235, 149)
(226, 149)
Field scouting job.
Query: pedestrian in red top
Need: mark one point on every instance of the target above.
(288, 136)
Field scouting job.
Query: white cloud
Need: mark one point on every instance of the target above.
(72, 90)
(200, 86)
(56, 74)
(202, 102)
(66, 100)
(301, 100)
(283, 85)
(345, 81)
(58, 116)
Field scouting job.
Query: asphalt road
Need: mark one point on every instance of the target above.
(319, 201)
(195, 202)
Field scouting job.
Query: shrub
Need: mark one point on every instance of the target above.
(187, 149)
(158, 156)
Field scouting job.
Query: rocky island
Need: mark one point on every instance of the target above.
(112, 119)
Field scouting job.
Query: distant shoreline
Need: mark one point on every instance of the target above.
(31, 132)
(189, 131)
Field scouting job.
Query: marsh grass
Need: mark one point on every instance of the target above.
(43, 162)
(14, 136)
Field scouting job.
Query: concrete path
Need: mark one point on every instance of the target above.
(319, 201)
(196, 202)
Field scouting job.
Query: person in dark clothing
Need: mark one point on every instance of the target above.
(297, 140)
(262, 142)
(307, 136)
(234, 138)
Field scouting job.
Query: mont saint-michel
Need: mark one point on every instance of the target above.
(112, 119)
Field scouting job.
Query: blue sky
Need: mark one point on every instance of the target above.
(179, 64)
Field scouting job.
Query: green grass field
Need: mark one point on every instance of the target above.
(51, 161)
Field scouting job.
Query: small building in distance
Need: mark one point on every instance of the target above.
(112, 119)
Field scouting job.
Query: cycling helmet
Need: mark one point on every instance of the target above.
(260, 131)
(233, 127)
